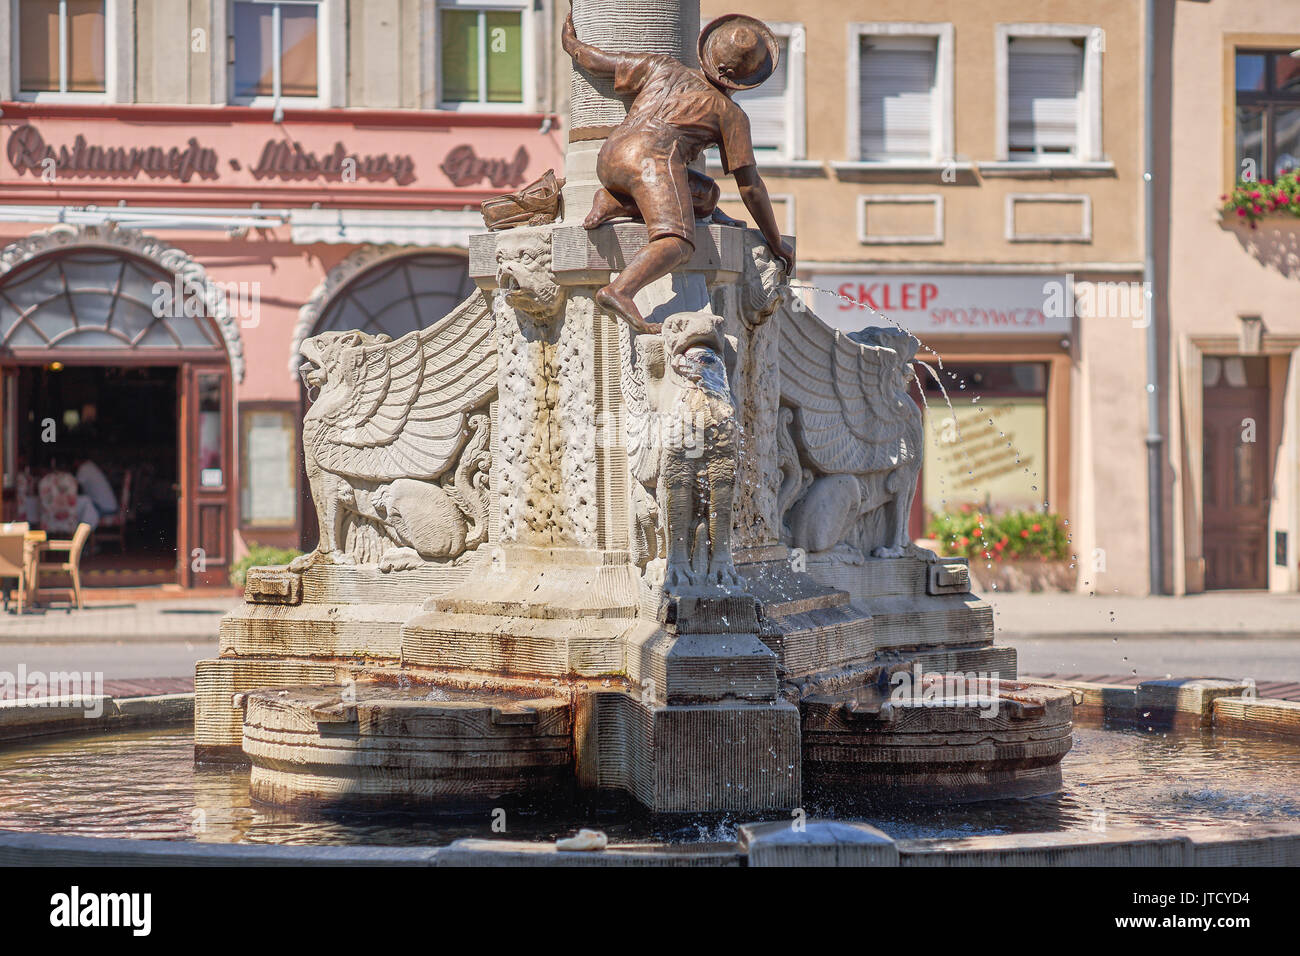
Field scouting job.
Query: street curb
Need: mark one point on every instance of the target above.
(90, 713)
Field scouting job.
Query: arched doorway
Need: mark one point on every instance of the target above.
(115, 350)
(391, 290)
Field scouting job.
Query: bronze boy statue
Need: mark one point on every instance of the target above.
(678, 112)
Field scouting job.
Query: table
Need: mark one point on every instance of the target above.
(32, 542)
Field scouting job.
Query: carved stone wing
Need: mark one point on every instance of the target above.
(851, 411)
(408, 399)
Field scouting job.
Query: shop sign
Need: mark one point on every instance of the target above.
(277, 158)
(943, 304)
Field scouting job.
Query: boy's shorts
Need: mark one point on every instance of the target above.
(660, 188)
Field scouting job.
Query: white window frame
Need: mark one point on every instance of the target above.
(941, 131)
(324, 57)
(1090, 127)
(527, 27)
(119, 59)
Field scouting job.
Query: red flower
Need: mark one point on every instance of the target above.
(1241, 212)
(978, 533)
(1256, 194)
(1024, 534)
(1037, 527)
(964, 541)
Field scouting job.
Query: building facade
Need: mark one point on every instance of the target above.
(189, 189)
(973, 172)
(1231, 115)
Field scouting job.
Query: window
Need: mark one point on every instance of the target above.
(268, 469)
(276, 50)
(897, 99)
(1045, 83)
(900, 93)
(1049, 94)
(483, 55)
(61, 46)
(1268, 113)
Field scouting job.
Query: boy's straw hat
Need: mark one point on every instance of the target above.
(744, 45)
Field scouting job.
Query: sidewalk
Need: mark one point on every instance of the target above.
(172, 620)
(1239, 614)
(1017, 616)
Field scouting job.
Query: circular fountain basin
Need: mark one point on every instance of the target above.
(1120, 789)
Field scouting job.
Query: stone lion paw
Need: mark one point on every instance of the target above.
(400, 559)
(304, 561)
(726, 576)
(341, 557)
(888, 552)
(678, 577)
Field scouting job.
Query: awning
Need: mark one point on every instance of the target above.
(445, 228)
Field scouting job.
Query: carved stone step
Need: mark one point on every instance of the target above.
(362, 745)
(555, 647)
(366, 584)
(821, 639)
(936, 742)
(316, 630)
(920, 623)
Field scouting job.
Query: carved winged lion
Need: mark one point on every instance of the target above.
(851, 435)
(396, 456)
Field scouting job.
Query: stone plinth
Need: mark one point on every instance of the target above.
(866, 746)
(369, 745)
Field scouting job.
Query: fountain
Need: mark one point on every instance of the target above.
(574, 547)
(666, 556)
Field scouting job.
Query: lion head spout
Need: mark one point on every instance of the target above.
(524, 273)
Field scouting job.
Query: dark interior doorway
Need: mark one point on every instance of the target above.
(124, 420)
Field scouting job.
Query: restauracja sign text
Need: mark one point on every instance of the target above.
(282, 159)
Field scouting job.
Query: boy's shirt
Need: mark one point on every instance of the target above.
(676, 104)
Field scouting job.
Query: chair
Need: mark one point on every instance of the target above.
(70, 567)
(114, 526)
(13, 559)
(58, 493)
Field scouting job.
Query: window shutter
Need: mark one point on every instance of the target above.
(897, 97)
(1044, 101)
(766, 108)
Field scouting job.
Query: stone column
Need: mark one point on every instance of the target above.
(645, 26)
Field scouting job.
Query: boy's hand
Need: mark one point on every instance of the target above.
(783, 252)
(569, 36)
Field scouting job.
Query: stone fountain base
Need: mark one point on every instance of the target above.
(342, 690)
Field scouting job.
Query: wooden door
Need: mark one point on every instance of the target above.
(1238, 488)
(8, 442)
(206, 477)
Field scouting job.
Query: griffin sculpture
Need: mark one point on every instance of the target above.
(397, 442)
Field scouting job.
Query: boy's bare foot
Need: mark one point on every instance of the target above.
(624, 308)
(605, 207)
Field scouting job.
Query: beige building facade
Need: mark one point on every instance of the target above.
(973, 172)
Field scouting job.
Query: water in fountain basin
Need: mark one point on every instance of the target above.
(145, 785)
